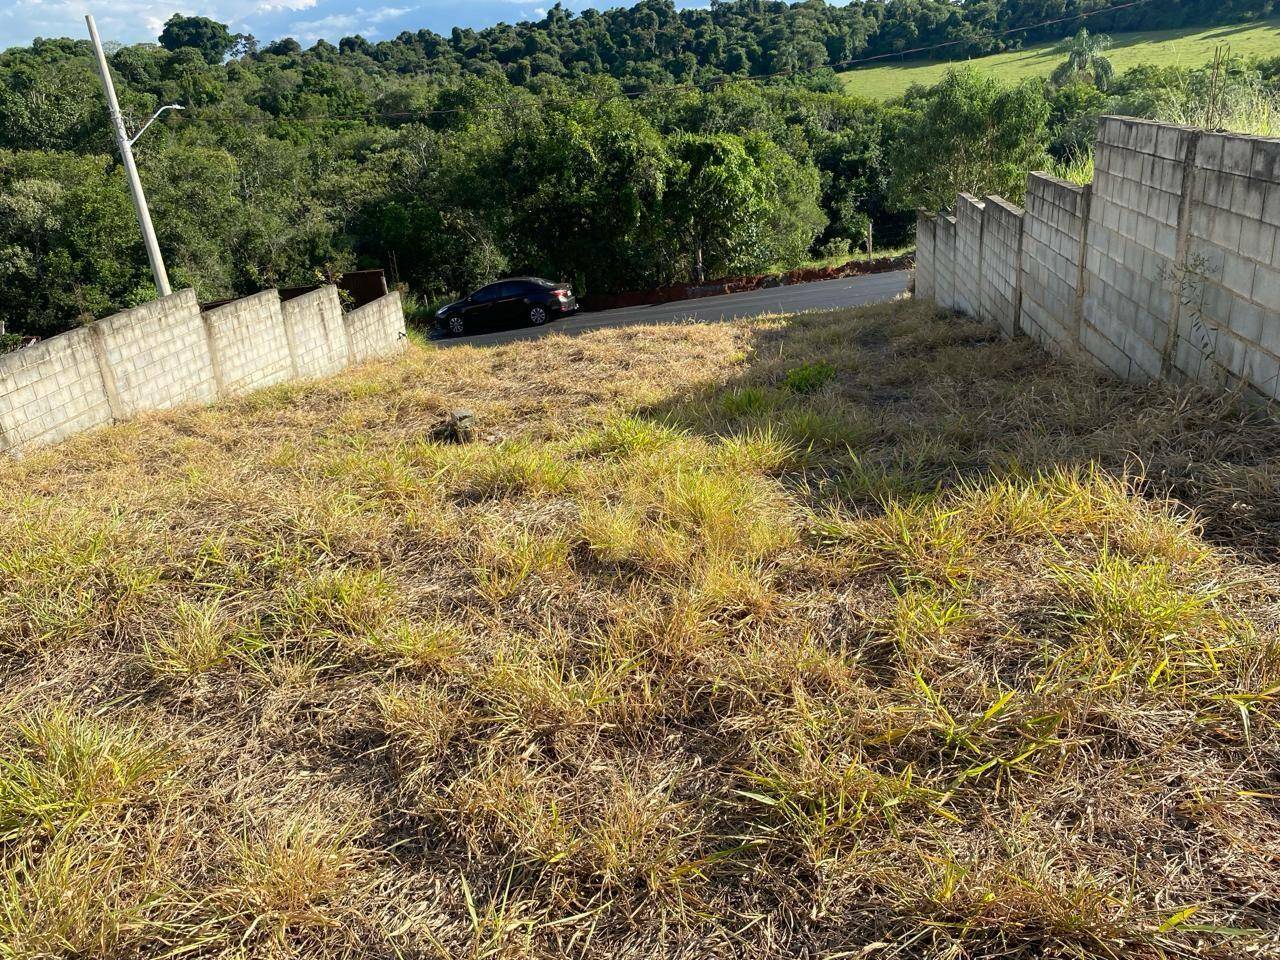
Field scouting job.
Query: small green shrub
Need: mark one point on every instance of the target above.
(809, 377)
(835, 247)
(747, 402)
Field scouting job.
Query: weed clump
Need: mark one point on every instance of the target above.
(809, 377)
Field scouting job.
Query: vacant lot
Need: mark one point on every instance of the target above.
(853, 635)
(1187, 47)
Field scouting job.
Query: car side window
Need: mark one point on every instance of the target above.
(487, 294)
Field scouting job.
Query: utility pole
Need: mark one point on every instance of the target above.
(125, 145)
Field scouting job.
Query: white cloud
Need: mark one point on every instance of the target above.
(334, 25)
(268, 6)
(126, 20)
(359, 20)
(131, 21)
(134, 21)
(389, 13)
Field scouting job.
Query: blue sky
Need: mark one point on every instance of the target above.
(131, 21)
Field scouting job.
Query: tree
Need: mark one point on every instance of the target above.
(288, 47)
(449, 160)
(1073, 117)
(969, 134)
(212, 39)
(47, 106)
(737, 205)
(1085, 62)
(70, 249)
(585, 190)
(190, 80)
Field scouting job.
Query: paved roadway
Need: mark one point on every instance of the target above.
(819, 295)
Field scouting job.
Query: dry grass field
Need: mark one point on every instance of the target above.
(851, 635)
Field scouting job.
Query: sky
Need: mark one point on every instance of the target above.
(132, 21)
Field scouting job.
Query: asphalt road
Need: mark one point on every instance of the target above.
(799, 297)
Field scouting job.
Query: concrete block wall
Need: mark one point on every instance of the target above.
(249, 345)
(944, 261)
(165, 354)
(51, 390)
(317, 334)
(157, 356)
(926, 223)
(1228, 331)
(1140, 176)
(1000, 273)
(376, 329)
(1167, 266)
(968, 254)
(1054, 227)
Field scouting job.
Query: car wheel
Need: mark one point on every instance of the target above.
(457, 326)
(538, 316)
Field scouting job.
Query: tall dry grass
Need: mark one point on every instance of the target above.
(860, 634)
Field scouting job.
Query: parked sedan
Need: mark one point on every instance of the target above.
(508, 303)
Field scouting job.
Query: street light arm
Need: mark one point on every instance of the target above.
(168, 106)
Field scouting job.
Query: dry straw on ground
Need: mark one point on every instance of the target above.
(854, 635)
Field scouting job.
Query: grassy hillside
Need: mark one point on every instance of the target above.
(1191, 47)
(799, 637)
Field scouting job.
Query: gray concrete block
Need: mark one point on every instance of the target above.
(1242, 317)
(1266, 285)
(1266, 160)
(1262, 371)
(1237, 155)
(944, 252)
(317, 333)
(1268, 337)
(376, 329)
(1209, 151)
(1238, 274)
(1247, 195)
(1258, 241)
(157, 356)
(1270, 329)
(1271, 206)
(51, 390)
(249, 344)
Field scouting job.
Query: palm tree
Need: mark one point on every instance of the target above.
(1085, 61)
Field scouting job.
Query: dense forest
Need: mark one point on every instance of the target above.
(617, 149)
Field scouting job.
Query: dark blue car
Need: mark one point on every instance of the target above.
(508, 303)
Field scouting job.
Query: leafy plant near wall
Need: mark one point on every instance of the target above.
(1076, 168)
(972, 135)
(1226, 96)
